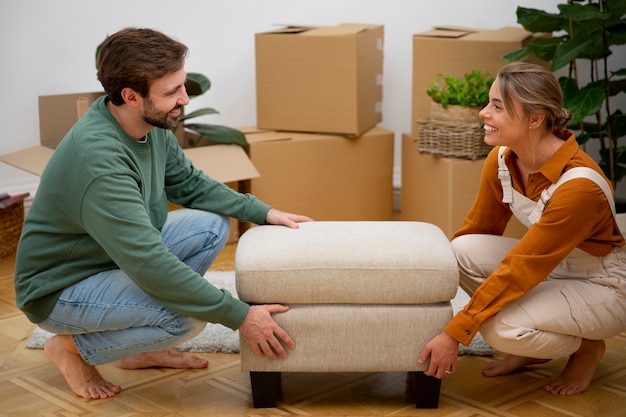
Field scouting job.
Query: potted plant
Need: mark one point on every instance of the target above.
(454, 128)
(196, 85)
(459, 99)
(585, 33)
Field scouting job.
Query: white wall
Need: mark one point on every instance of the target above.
(48, 47)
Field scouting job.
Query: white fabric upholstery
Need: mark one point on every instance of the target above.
(363, 296)
(346, 262)
(351, 337)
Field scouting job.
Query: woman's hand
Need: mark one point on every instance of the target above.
(443, 350)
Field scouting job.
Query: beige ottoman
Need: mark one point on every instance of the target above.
(363, 297)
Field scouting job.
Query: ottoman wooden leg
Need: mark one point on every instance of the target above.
(427, 390)
(265, 386)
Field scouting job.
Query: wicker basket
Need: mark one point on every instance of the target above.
(11, 221)
(458, 140)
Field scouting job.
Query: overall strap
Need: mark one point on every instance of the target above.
(578, 172)
(505, 177)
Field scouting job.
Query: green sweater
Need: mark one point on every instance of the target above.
(101, 204)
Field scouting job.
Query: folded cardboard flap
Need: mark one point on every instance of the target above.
(443, 33)
(347, 29)
(33, 159)
(504, 34)
(224, 163)
(308, 30)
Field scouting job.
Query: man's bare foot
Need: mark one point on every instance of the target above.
(167, 358)
(82, 378)
(582, 364)
(509, 364)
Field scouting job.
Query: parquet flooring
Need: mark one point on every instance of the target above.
(31, 386)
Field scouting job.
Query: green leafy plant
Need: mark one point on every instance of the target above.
(196, 85)
(470, 91)
(585, 32)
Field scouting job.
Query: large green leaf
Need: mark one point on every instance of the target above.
(220, 134)
(618, 124)
(589, 131)
(614, 86)
(585, 102)
(199, 112)
(197, 84)
(580, 12)
(616, 35)
(516, 55)
(619, 159)
(545, 48)
(538, 21)
(616, 7)
(568, 51)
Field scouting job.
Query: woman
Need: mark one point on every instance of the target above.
(560, 289)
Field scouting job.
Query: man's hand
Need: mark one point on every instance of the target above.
(443, 350)
(263, 334)
(275, 216)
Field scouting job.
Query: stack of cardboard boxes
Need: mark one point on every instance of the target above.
(435, 189)
(316, 144)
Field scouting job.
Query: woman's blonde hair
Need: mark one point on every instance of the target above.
(538, 91)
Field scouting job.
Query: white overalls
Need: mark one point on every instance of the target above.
(583, 297)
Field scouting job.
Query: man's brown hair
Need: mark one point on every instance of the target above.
(134, 57)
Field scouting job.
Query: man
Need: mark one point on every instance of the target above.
(101, 262)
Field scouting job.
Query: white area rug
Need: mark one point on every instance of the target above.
(218, 338)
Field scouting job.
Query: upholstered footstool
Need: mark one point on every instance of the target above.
(363, 297)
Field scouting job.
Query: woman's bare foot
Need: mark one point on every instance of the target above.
(509, 364)
(582, 364)
(167, 358)
(82, 378)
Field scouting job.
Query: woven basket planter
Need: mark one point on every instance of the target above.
(455, 131)
(11, 222)
(457, 140)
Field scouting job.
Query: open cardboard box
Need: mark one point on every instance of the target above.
(58, 113)
(324, 79)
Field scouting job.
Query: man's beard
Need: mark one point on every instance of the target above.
(158, 118)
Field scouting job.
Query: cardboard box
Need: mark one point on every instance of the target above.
(58, 113)
(320, 79)
(326, 177)
(441, 190)
(454, 51)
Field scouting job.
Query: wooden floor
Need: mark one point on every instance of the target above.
(30, 385)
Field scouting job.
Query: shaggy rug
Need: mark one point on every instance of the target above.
(218, 338)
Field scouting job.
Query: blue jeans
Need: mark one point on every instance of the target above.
(111, 318)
